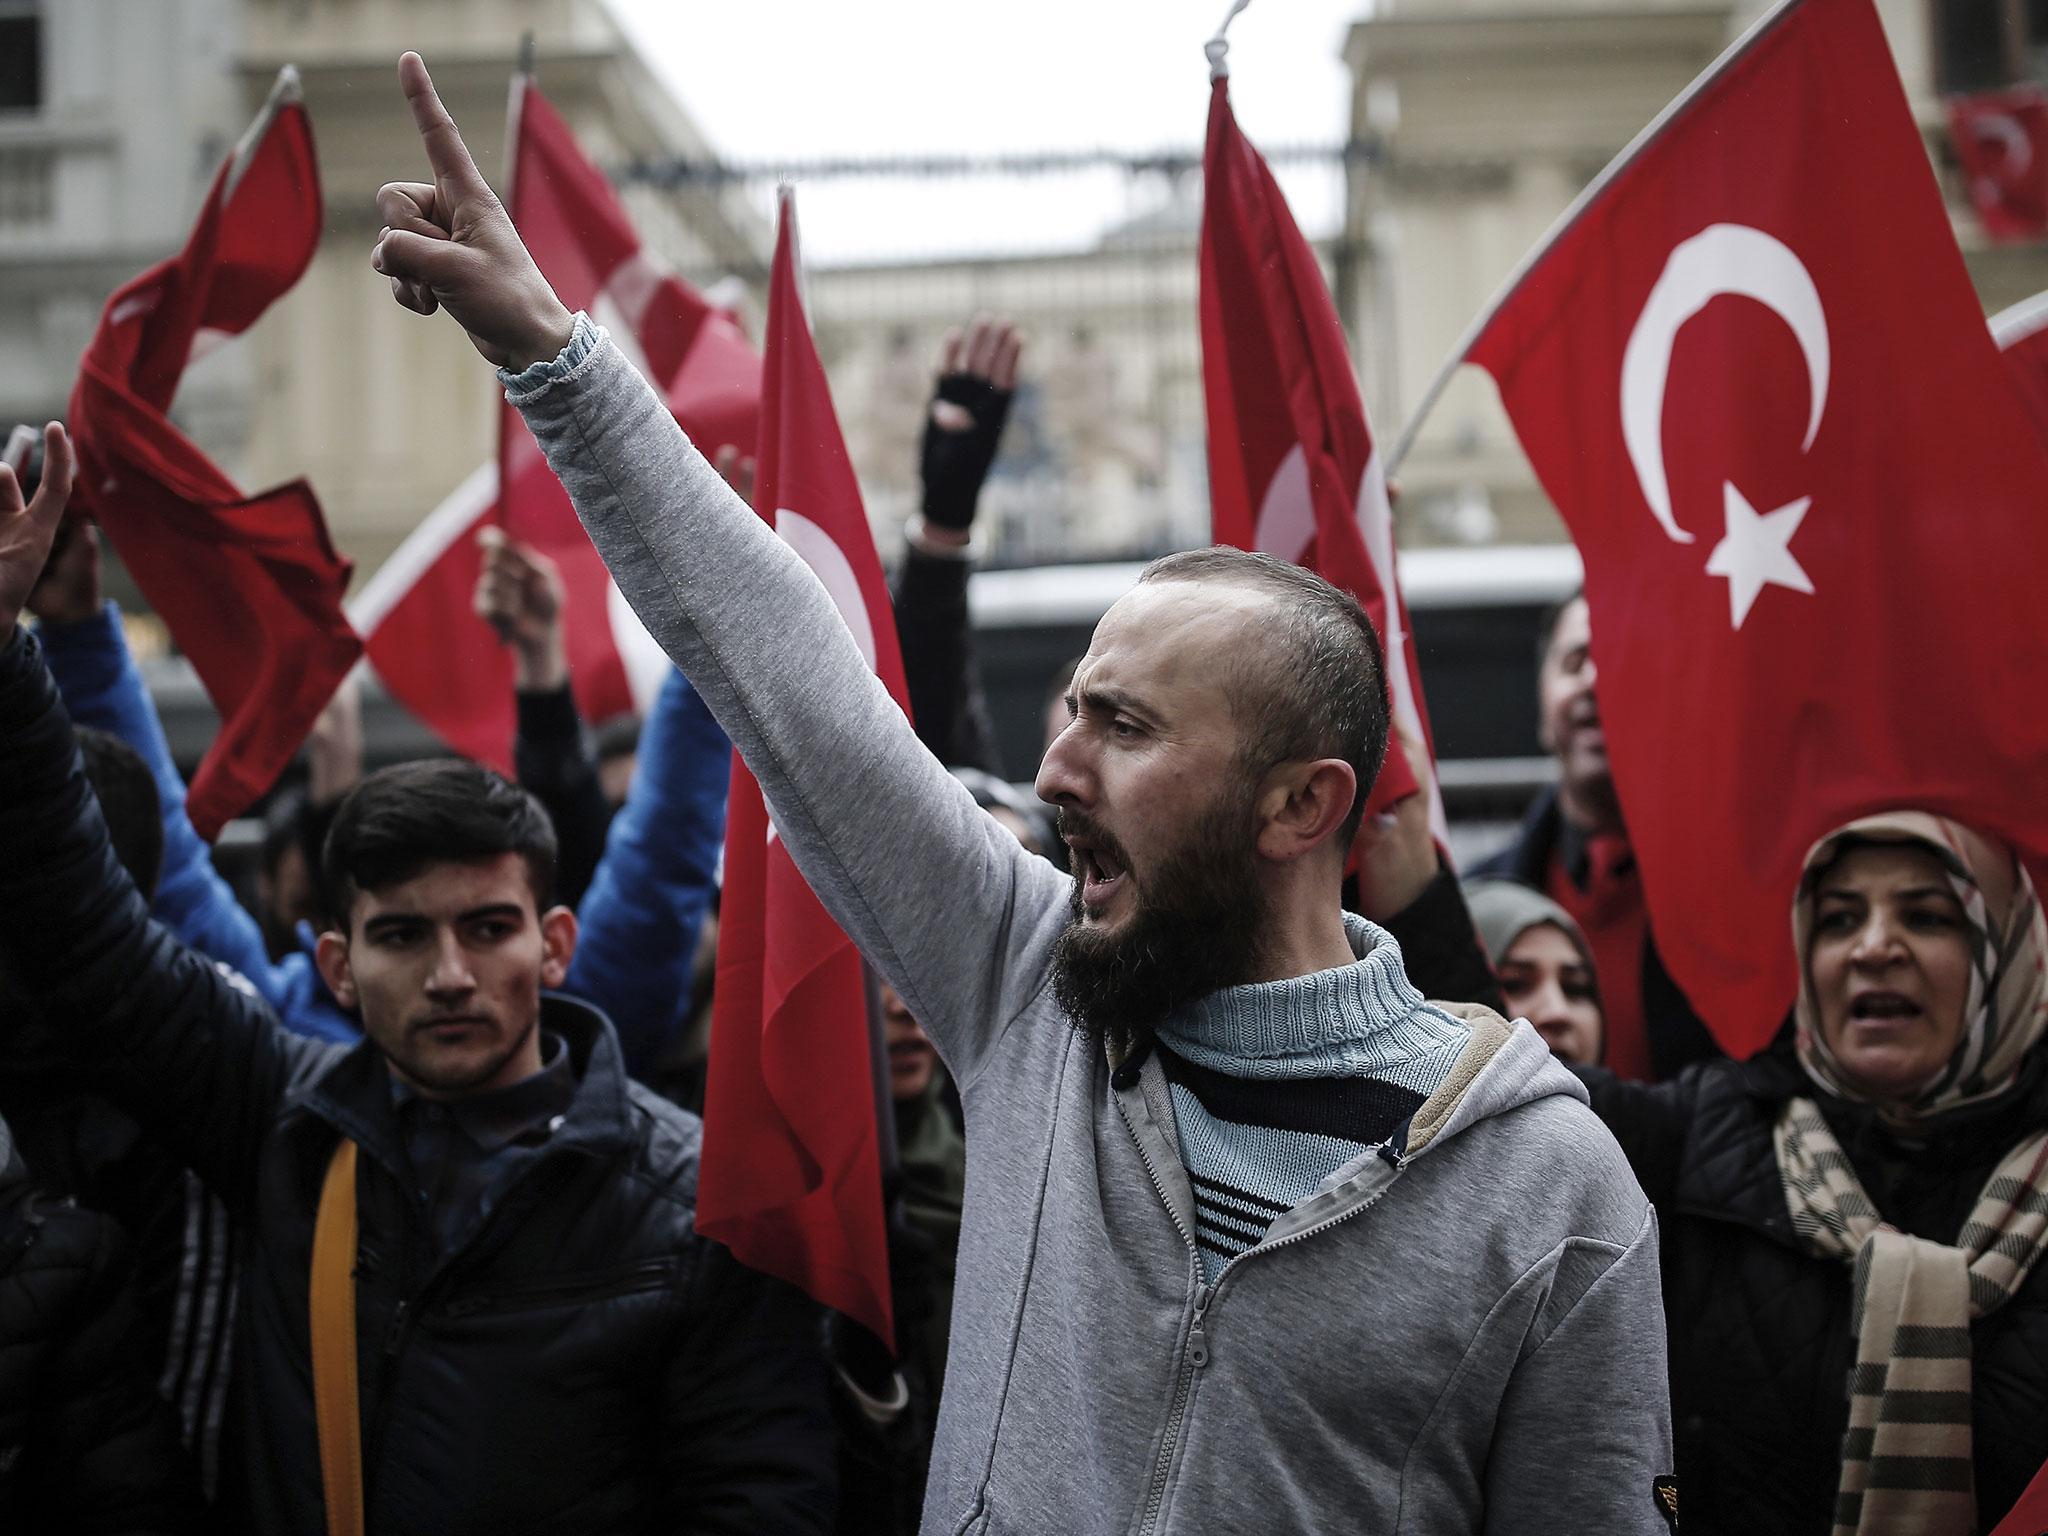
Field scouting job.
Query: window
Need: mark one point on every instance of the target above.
(21, 56)
(1984, 45)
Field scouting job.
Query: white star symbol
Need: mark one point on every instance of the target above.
(1757, 551)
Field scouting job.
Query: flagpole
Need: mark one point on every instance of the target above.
(515, 111)
(515, 105)
(886, 1152)
(284, 91)
(1730, 56)
(2020, 321)
(1218, 47)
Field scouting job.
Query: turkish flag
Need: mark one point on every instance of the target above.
(791, 1178)
(431, 650)
(2001, 138)
(1293, 470)
(1751, 372)
(251, 587)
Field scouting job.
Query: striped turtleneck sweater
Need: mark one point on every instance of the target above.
(1279, 1084)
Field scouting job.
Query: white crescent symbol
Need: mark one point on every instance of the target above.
(1287, 515)
(828, 562)
(646, 663)
(2005, 129)
(1721, 259)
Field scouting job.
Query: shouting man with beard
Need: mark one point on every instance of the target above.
(1254, 1238)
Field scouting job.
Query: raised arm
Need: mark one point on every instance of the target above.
(962, 429)
(644, 911)
(195, 1057)
(944, 902)
(1404, 884)
(88, 657)
(519, 593)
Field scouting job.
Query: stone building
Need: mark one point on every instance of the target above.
(114, 115)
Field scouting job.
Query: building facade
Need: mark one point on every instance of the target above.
(114, 115)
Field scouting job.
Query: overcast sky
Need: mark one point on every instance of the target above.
(778, 80)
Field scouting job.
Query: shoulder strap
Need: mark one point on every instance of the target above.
(333, 1310)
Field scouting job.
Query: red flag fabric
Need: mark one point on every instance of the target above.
(2022, 335)
(251, 587)
(430, 649)
(2001, 138)
(1293, 470)
(1808, 503)
(579, 234)
(791, 1178)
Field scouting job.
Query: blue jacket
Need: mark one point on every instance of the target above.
(644, 911)
(103, 688)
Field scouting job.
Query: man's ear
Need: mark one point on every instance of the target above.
(1301, 805)
(558, 945)
(330, 955)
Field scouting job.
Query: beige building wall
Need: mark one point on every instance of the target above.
(1492, 115)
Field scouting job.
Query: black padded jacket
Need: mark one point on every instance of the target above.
(86, 1445)
(581, 1361)
(1759, 1329)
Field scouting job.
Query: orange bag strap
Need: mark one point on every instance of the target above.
(333, 1311)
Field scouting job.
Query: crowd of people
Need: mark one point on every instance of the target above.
(1254, 1172)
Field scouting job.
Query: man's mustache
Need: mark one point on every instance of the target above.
(1077, 824)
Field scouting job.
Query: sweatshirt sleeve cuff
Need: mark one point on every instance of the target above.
(535, 380)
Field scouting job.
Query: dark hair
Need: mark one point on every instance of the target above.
(1327, 694)
(122, 783)
(294, 820)
(444, 810)
(1552, 617)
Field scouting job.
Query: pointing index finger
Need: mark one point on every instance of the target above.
(446, 152)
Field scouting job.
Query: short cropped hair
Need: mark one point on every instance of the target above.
(403, 819)
(126, 790)
(1327, 694)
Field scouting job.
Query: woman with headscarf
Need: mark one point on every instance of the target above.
(1545, 967)
(1852, 1221)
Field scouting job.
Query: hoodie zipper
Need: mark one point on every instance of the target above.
(1195, 1353)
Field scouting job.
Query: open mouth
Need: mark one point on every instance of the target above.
(1100, 871)
(1879, 1007)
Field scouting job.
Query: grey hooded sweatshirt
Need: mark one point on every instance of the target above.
(1462, 1333)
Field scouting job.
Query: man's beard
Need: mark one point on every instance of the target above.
(1199, 925)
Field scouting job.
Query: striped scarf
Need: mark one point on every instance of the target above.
(1907, 1460)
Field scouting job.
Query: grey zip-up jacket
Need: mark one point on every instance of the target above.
(1465, 1335)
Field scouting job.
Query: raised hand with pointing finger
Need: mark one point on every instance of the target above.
(449, 244)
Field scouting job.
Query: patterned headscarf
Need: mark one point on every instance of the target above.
(2006, 1013)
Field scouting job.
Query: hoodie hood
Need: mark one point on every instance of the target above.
(1502, 1067)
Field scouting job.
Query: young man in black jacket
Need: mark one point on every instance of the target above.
(544, 1342)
